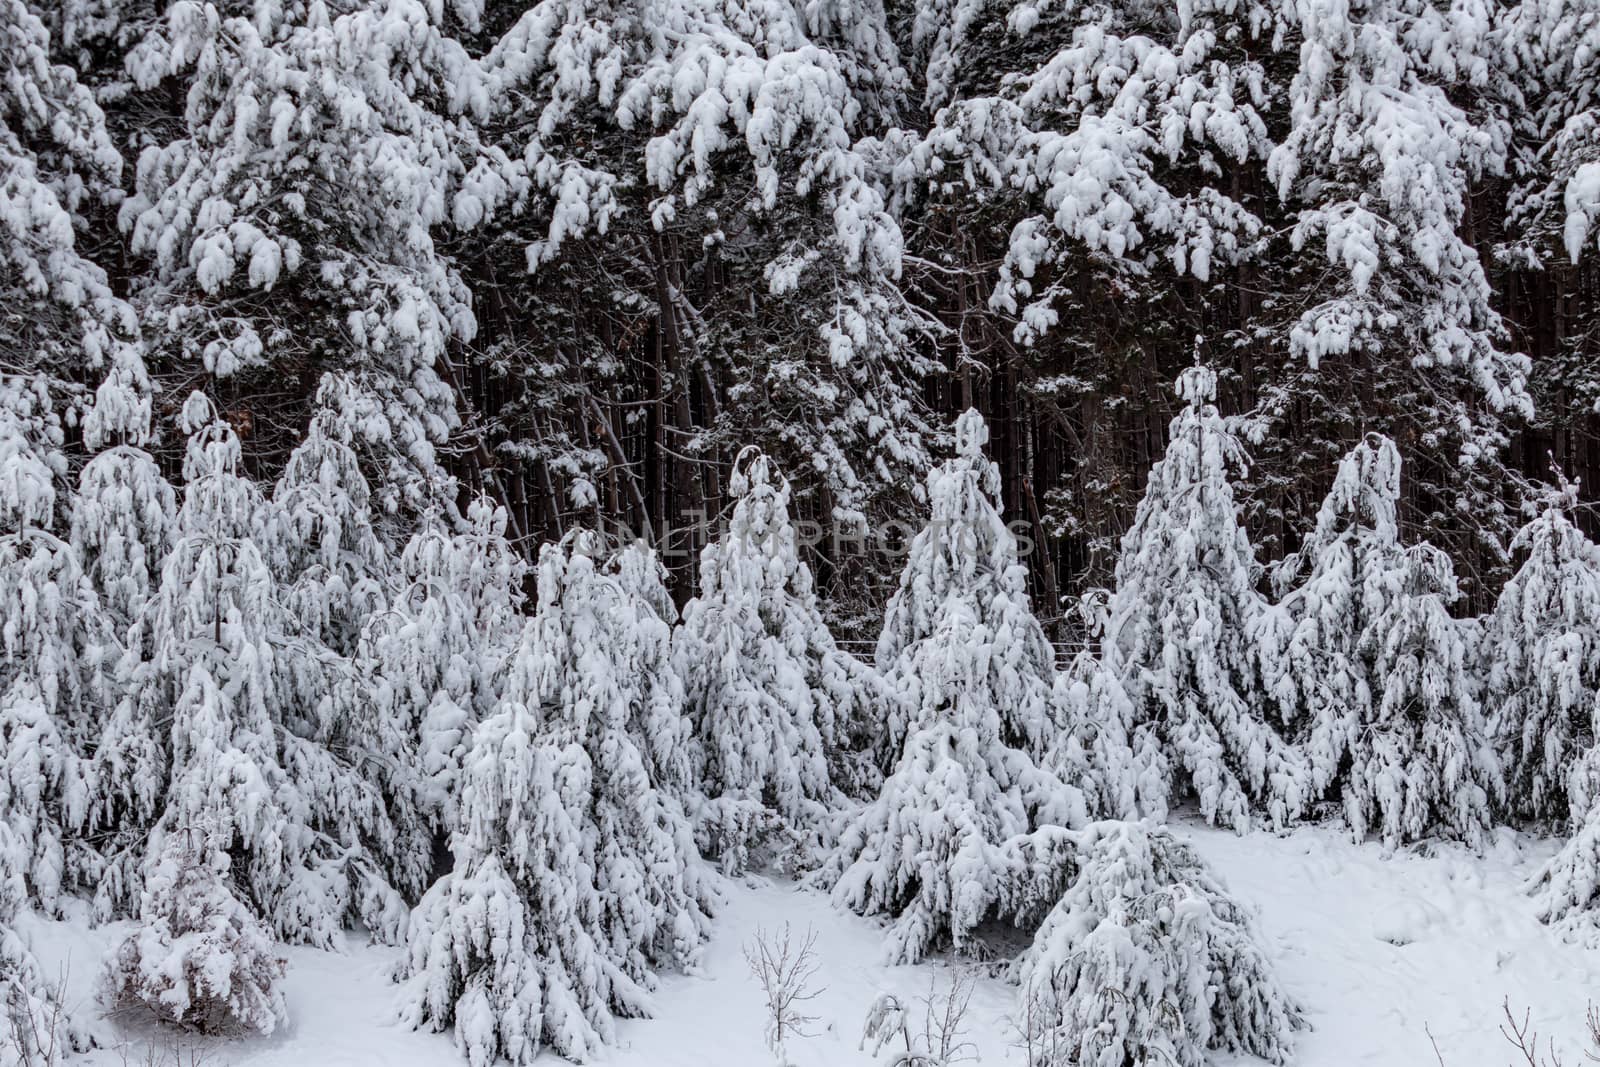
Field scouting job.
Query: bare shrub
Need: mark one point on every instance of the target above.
(785, 969)
(938, 1039)
(1522, 1037)
(37, 1029)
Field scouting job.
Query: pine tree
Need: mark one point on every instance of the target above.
(1092, 134)
(973, 668)
(199, 958)
(52, 630)
(58, 161)
(1373, 675)
(56, 652)
(1423, 763)
(122, 513)
(321, 535)
(309, 164)
(1541, 645)
(966, 551)
(123, 520)
(728, 198)
(1147, 959)
(770, 694)
(1311, 641)
(576, 877)
(1392, 123)
(45, 791)
(435, 660)
(1180, 623)
(255, 708)
(660, 723)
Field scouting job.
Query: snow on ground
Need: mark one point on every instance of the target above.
(1383, 951)
(1380, 950)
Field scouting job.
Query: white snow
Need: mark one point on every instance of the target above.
(1381, 950)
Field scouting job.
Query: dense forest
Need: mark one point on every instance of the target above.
(576, 256)
(453, 452)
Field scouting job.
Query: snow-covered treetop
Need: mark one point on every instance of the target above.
(57, 158)
(27, 473)
(1365, 496)
(964, 547)
(476, 564)
(121, 409)
(1106, 107)
(709, 80)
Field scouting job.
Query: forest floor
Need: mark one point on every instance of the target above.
(1392, 958)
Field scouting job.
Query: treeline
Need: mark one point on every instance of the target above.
(576, 256)
(239, 718)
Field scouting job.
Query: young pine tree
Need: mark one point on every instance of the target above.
(1311, 641)
(1423, 762)
(1146, 960)
(243, 710)
(123, 512)
(576, 876)
(34, 1027)
(435, 661)
(199, 958)
(973, 668)
(770, 694)
(1542, 648)
(1181, 619)
(320, 534)
(56, 648)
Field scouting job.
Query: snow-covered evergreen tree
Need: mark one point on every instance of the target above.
(734, 130)
(1549, 48)
(1181, 619)
(51, 626)
(1541, 647)
(1147, 960)
(576, 877)
(660, 724)
(973, 668)
(1392, 121)
(1423, 763)
(1090, 132)
(770, 695)
(56, 651)
(200, 687)
(45, 791)
(966, 552)
(250, 710)
(1540, 644)
(436, 659)
(1373, 676)
(199, 958)
(1311, 641)
(58, 161)
(320, 531)
(310, 165)
(123, 511)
